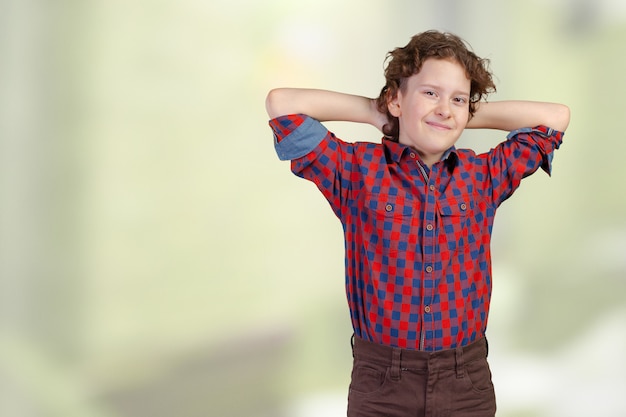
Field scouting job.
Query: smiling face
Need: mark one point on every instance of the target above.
(433, 108)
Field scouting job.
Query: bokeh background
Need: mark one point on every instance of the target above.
(156, 259)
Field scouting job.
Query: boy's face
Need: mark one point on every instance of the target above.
(433, 108)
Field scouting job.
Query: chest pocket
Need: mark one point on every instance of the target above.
(454, 207)
(388, 221)
(386, 206)
(454, 215)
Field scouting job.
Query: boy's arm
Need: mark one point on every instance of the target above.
(512, 115)
(324, 106)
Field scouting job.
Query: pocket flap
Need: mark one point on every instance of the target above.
(453, 207)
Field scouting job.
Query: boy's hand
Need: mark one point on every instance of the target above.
(378, 119)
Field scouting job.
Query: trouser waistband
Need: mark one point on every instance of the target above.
(398, 358)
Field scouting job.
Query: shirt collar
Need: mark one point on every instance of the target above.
(395, 151)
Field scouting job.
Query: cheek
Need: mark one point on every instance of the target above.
(462, 118)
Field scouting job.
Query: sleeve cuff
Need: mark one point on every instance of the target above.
(302, 140)
(553, 139)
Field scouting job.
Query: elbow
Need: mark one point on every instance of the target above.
(562, 117)
(274, 103)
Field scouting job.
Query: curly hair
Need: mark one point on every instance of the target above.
(403, 62)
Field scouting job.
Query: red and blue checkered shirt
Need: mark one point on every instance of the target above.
(417, 240)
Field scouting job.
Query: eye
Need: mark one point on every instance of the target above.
(430, 93)
(460, 100)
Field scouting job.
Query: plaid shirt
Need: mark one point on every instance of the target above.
(417, 240)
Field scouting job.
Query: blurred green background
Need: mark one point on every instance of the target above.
(156, 259)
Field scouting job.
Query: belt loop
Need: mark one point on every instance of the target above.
(459, 362)
(396, 356)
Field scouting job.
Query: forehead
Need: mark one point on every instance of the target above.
(445, 74)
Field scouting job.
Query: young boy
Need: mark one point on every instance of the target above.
(417, 215)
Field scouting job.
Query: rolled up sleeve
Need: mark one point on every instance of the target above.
(296, 135)
(545, 138)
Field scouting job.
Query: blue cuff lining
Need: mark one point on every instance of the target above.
(522, 130)
(546, 134)
(301, 141)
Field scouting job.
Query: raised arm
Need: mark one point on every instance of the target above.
(324, 106)
(511, 115)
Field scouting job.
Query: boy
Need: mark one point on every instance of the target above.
(417, 215)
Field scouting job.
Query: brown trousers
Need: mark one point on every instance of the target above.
(393, 382)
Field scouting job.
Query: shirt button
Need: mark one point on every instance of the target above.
(412, 155)
(427, 309)
(431, 187)
(429, 269)
(429, 227)
(463, 206)
(388, 207)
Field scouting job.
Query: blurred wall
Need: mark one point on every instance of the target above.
(156, 259)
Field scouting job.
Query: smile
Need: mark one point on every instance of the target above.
(438, 126)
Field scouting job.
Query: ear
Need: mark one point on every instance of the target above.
(393, 105)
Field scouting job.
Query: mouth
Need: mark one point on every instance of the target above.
(439, 126)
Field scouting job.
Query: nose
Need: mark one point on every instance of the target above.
(443, 109)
